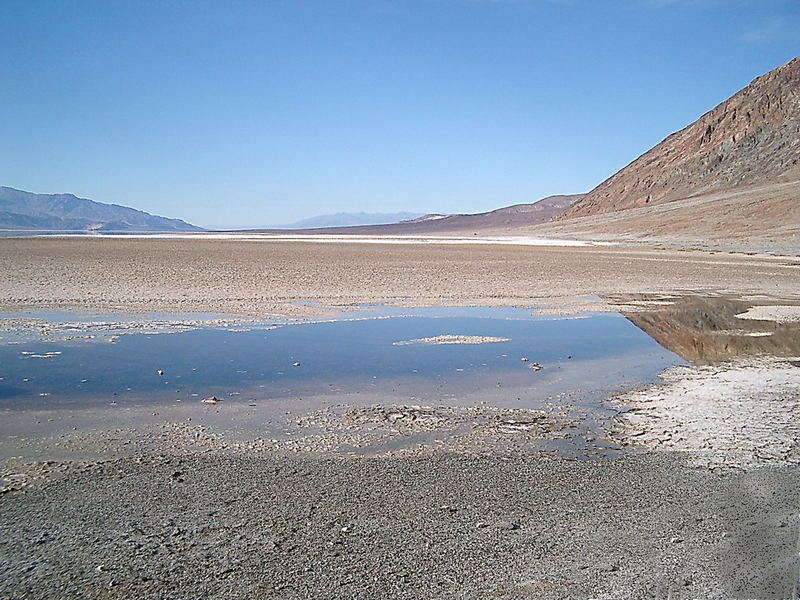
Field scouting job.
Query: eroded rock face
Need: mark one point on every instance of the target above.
(753, 137)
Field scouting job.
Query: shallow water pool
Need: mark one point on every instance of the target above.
(579, 356)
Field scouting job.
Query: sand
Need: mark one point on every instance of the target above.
(443, 526)
(754, 218)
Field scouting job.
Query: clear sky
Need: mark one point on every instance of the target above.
(263, 112)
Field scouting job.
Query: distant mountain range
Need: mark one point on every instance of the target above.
(21, 211)
(509, 217)
(729, 180)
(734, 174)
(344, 219)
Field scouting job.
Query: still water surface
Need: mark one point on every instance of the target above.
(597, 353)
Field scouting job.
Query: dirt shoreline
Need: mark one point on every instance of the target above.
(186, 513)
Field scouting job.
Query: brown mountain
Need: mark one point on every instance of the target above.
(752, 218)
(751, 139)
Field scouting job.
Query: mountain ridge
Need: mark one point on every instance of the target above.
(752, 137)
(28, 211)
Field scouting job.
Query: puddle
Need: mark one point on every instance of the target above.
(372, 379)
(368, 351)
(499, 378)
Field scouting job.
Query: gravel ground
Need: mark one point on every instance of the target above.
(439, 526)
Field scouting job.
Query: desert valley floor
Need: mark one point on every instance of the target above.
(677, 479)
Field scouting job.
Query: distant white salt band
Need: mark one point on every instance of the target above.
(359, 239)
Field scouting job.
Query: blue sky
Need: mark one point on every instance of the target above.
(264, 112)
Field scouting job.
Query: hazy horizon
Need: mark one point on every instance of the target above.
(279, 111)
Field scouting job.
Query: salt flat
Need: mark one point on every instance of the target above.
(499, 240)
(388, 498)
(295, 278)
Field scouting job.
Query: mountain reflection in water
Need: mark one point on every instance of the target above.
(704, 330)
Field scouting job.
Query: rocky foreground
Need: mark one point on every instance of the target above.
(438, 526)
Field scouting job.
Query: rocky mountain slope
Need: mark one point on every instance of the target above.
(753, 218)
(21, 210)
(751, 138)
